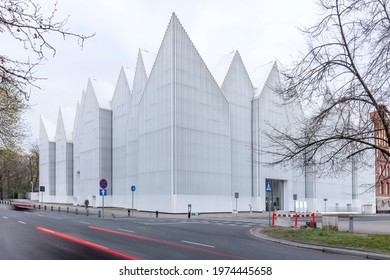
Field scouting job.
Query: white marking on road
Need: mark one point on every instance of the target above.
(121, 229)
(86, 223)
(40, 215)
(5, 217)
(199, 244)
(22, 222)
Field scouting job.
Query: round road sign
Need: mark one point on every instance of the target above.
(103, 183)
(133, 188)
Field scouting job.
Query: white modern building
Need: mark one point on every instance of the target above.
(47, 159)
(185, 136)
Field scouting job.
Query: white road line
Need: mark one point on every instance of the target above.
(199, 244)
(40, 215)
(21, 222)
(86, 223)
(121, 229)
(5, 217)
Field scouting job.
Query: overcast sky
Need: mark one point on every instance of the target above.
(261, 30)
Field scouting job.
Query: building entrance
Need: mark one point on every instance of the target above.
(276, 196)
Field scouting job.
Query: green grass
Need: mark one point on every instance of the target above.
(372, 242)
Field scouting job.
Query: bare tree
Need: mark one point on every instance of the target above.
(24, 22)
(342, 78)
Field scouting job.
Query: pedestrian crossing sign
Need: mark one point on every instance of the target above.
(268, 186)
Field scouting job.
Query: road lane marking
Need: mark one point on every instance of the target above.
(199, 244)
(88, 243)
(170, 243)
(5, 217)
(21, 222)
(40, 215)
(121, 229)
(85, 223)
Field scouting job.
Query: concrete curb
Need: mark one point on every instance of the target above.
(257, 232)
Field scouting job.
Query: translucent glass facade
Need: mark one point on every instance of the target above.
(64, 155)
(183, 136)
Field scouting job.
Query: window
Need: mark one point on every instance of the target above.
(381, 188)
(387, 188)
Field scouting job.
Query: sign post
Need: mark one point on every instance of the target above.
(103, 192)
(325, 200)
(133, 188)
(236, 196)
(42, 190)
(268, 189)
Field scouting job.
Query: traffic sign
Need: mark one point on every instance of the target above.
(103, 183)
(268, 186)
(133, 188)
(102, 192)
(42, 188)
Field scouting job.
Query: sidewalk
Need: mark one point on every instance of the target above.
(257, 232)
(110, 212)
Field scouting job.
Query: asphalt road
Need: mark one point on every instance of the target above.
(47, 235)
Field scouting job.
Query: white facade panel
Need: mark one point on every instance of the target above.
(64, 155)
(120, 109)
(47, 160)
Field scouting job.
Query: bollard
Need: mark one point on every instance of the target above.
(273, 219)
(59, 209)
(313, 217)
(77, 211)
(350, 224)
(189, 215)
(156, 214)
(34, 206)
(51, 208)
(87, 211)
(99, 214)
(67, 210)
(296, 221)
(45, 207)
(39, 207)
(128, 212)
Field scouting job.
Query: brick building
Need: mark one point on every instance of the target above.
(382, 166)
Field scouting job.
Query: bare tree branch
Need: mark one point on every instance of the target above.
(343, 86)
